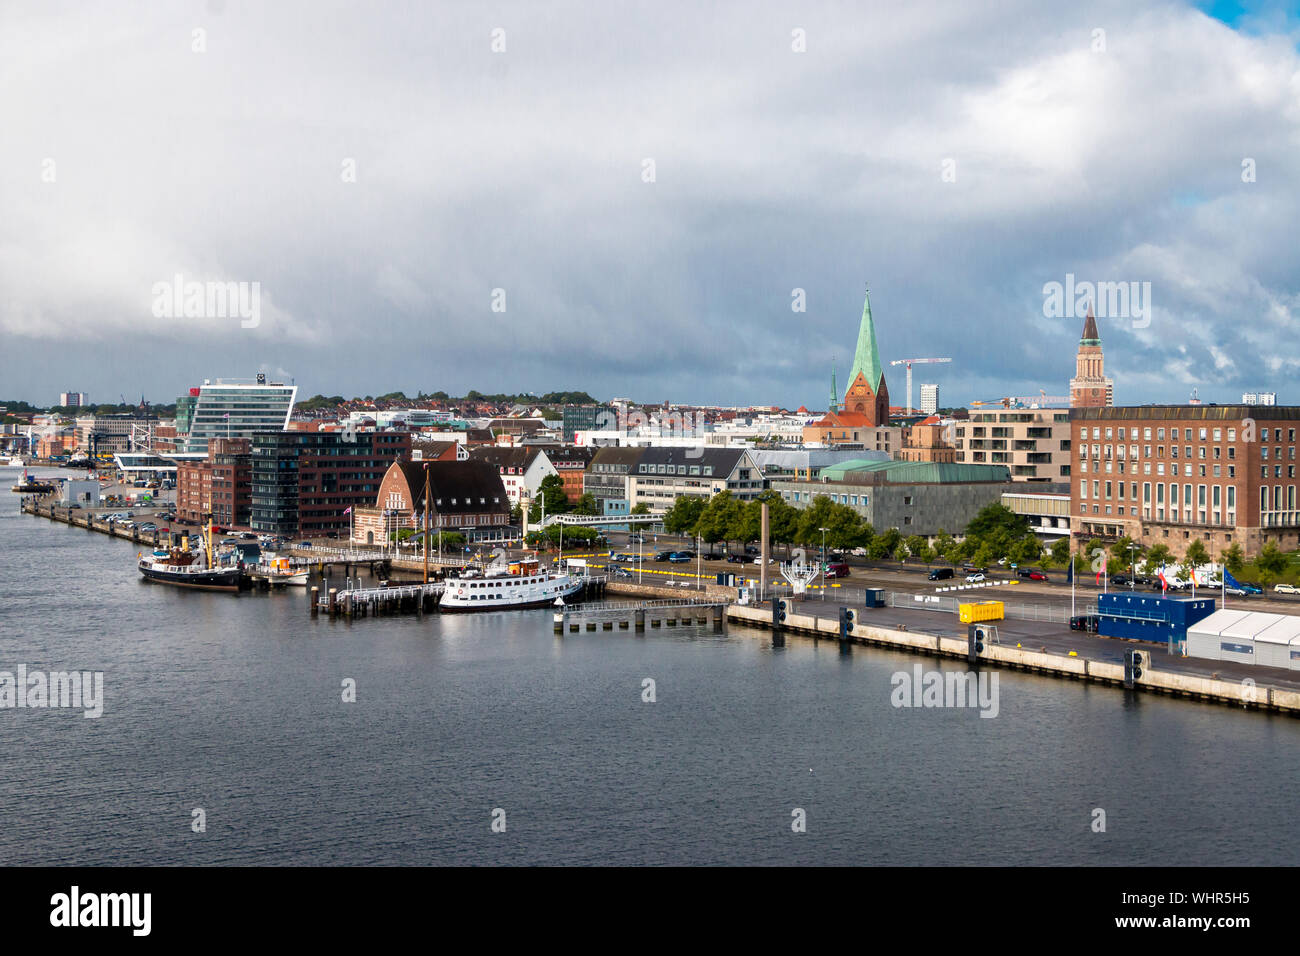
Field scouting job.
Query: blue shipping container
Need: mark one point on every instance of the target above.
(1143, 617)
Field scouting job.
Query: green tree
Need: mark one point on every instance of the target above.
(1060, 552)
(586, 505)
(551, 491)
(719, 518)
(1196, 554)
(1233, 558)
(684, 514)
(640, 508)
(1158, 556)
(1271, 559)
(993, 518)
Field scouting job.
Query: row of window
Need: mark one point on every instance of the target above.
(1186, 434)
(675, 469)
(1118, 468)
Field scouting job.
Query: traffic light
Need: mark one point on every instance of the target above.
(846, 623)
(1132, 667)
(974, 642)
(778, 612)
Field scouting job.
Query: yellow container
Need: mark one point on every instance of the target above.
(980, 611)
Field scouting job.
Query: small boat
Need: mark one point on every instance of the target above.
(16, 462)
(181, 567)
(522, 584)
(280, 571)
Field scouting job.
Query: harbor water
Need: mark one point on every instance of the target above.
(234, 706)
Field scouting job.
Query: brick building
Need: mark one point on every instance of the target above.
(1165, 474)
(219, 485)
(464, 496)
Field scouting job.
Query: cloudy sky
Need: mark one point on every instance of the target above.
(624, 196)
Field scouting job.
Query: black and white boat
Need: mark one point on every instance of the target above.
(182, 567)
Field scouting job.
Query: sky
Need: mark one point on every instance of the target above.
(633, 198)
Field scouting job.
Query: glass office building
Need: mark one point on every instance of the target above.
(234, 408)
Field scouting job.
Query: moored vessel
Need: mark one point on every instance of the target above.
(181, 567)
(519, 585)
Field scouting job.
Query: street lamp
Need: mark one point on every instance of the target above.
(1132, 565)
(823, 566)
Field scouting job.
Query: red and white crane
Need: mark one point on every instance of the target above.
(916, 361)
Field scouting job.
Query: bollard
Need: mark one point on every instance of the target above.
(314, 598)
(639, 617)
(717, 619)
(334, 601)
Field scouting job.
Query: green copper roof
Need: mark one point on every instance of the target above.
(867, 358)
(919, 472)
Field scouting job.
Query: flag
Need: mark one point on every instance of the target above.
(1229, 580)
(1164, 585)
(227, 415)
(347, 511)
(1099, 577)
(1069, 573)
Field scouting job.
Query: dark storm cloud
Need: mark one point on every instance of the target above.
(524, 171)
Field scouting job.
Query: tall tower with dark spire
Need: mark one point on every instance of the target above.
(867, 393)
(1090, 388)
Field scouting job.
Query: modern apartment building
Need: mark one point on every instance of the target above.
(304, 482)
(1170, 473)
(1033, 442)
(236, 408)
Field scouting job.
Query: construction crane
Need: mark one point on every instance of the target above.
(1022, 401)
(916, 361)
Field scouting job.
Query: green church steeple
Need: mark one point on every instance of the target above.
(867, 357)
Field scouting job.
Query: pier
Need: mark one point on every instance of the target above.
(351, 603)
(638, 614)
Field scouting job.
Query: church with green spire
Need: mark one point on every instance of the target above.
(867, 393)
(866, 400)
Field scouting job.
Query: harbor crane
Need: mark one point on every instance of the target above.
(916, 361)
(1042, 399)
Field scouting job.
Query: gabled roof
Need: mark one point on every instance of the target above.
(467, 483)
(506, 456)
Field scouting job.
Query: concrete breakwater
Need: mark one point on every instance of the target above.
(1234, 693)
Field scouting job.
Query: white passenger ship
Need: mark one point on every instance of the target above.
(521, 584)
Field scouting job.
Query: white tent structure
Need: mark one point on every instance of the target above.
(1247, 637)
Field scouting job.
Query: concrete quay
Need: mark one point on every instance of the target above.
(1244, 692)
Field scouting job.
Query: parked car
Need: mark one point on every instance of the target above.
(837, 569)
(975, 578)
(736, 559)
(1285, 589)
(1085, 622)
(148, 526)
(1250, 587)
(622, 573)
(1120, 580)
(679, 557)
(1035, 575)
(759, 560)
(635, 539)
(663, 555)
(940, 574)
